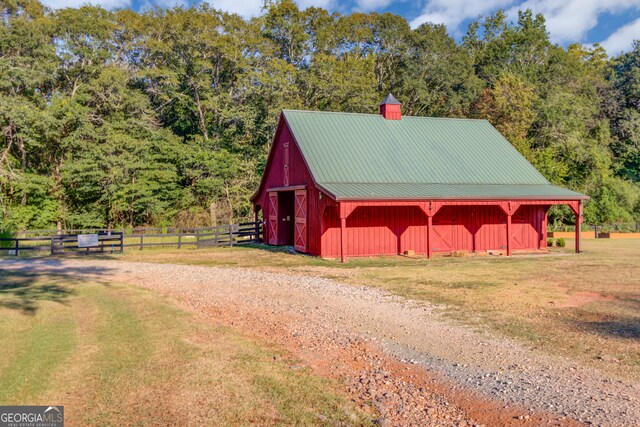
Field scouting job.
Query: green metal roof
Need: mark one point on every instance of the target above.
(449, 191)
(365, 156)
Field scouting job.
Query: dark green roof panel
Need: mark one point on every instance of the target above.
(401, 156)
(447, 191)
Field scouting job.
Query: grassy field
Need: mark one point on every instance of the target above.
(114, 354)
(584, 306)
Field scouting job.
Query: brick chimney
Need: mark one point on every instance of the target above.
(390, 108)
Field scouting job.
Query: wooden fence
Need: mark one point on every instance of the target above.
(118, 240)
(108, 242)
(221, 235)
(15, 246)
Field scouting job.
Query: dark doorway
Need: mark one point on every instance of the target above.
(285, 218)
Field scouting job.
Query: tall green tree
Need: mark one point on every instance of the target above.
(166, 116)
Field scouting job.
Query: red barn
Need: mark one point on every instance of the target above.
(346, 185)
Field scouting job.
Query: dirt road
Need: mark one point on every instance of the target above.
(398, 359)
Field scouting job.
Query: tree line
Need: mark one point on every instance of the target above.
(165, 117)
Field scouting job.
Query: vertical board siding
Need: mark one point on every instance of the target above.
(286, 159)
(389, 230)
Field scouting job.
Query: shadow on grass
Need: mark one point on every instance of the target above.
(625, 324)
(24, 283)
(624, 328)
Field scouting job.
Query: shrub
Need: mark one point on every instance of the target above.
(561, 243)
(549, 242)
(5, 234)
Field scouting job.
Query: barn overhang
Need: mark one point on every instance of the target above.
(431, 207)
(555, 200)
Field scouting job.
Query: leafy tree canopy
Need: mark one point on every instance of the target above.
(166, 117)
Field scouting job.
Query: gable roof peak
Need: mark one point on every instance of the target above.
(390, 100)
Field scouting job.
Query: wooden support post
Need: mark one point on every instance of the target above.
(17, 246)
(578, 226)
(179, 240)
(256, 220)
(508, 234)
(141, 241)
(429, 235)
(343, 232)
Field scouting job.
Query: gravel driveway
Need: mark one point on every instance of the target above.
(314, 315)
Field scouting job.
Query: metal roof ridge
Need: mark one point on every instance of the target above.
(471, 119)
(433, 183)
(329, 112)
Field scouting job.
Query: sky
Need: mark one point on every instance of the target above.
(612, 23)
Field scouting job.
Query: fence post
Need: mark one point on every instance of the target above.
(122, 242)
(257, 238)
(179, 241)
(230, 234)
(17, 246)
(141, 239)
(53, 251)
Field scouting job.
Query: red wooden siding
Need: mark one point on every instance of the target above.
(286, 168)
(389, 230)
(391, 111)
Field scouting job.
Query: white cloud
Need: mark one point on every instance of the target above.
(251, 8)
(569, 21)
(107, 4)
(163, 4)
(368, 5)
(622, 40)
(325, 4)
(453, 12)
(168, 3)
(244, 8)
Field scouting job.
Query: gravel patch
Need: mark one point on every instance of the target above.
(331, 313)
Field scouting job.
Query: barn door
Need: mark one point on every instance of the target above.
(272, 225)
(300, 224)
(524, 233)
(443, 236)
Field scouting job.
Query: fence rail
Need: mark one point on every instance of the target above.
(117, 240)
(107, 242)
(127, 231)
(626, 227)
(13, 246)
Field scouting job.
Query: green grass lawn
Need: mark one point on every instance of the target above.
(114, 354)
(584, 306)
